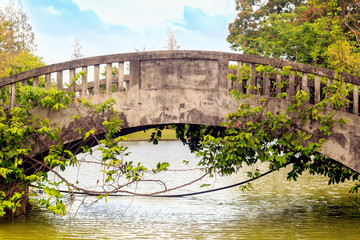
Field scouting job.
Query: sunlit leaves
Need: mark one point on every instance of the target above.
(11, 203)
(314, 32)
(87, 134)
(104, 106)
(52, 98)
(255, 135)
(156, 135)
(161, 167)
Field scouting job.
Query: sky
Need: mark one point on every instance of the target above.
(120, 26)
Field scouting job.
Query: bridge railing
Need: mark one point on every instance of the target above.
(55, 75)
(304, 77)
(308, 78)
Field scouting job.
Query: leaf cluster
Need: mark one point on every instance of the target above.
(19, 129)
(300, 31)
(255, 135)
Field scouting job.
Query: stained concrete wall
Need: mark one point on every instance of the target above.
(342, 146)
(184, 87)
(163, 91)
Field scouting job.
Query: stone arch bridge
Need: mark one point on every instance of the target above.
(180, 87)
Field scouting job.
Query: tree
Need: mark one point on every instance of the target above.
(323, 33)
(19, 128)
(249, 20)
(22, 36)
(4, 44)
(172, 43)
(76, 50)
(16, 42)
(255, 135)
(295, 30)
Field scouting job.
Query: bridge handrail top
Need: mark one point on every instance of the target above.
(172, 54)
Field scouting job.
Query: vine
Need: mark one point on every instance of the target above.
(256, 135)
(20, 128)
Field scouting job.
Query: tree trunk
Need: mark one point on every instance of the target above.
(10, 190)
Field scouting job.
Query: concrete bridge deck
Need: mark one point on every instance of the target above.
(173, 87)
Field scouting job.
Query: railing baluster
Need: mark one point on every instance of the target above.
(59, 80)
(71, 78)
(356, 99)
(84, 82)
(96, 79)
(258, 86)
(134, 74)
(251, 82)
(36, 81)
(266, 85)
(24, 82)
(121, 77)
(317, 89)
(47, 80)
(12, 95)
(304, 82)
(329, 82)
(344, 98)
(291, 91)
(239, 85)
(278, 83)
(108, 78)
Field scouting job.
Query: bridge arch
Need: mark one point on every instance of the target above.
(177, 87)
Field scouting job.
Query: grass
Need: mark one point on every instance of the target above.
(141, 135)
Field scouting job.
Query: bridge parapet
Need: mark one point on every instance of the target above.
(190, 69)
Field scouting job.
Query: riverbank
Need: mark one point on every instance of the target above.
(167, 135)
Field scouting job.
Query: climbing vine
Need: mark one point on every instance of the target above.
(255, 135)
(21, 130)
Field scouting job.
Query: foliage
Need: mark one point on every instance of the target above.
(18, 131)
(344, 58)
(192, 135)
(297, 30)
(15, 48)
(255, 135)
(114, 71)
(22, 61)
(156, 135)
(322, 33)
(22, 36)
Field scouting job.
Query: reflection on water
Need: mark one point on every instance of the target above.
(275, 209)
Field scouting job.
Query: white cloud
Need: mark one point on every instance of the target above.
(145, 15)
(114, 26)
(53, 11)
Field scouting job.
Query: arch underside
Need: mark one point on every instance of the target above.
(342, 146)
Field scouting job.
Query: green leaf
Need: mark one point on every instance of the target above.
(205, 185)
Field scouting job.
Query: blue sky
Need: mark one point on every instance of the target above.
(116, 26)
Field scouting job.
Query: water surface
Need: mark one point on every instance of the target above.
(274, 209)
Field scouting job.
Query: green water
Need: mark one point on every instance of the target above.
(275, 209)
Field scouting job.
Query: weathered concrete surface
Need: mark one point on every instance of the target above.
(177, 73)
(144, 108)
(170, 106)
(162, 91)
(178, 54)
(185, 90)
(342, 146)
